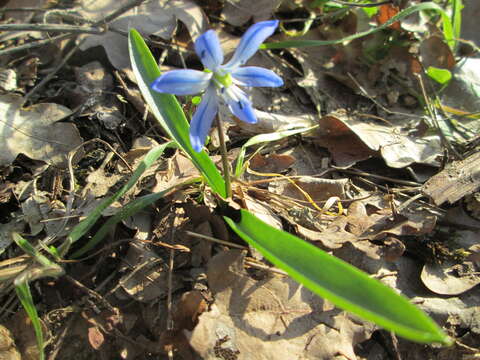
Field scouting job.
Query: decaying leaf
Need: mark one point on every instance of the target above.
(35, 131)
(397, 148)
(450, 278)
(257, 319)
(238, 12)
(158, 17)
(8, 350)
(147, 278)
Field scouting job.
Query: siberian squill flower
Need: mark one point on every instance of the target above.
(221, 82)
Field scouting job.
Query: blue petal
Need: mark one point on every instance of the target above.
(256, 76)
(239, 104)
(202, 119)
(182, 82)
(251, 40)
(207, 47)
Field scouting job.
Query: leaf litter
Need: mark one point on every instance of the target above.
(352, 186)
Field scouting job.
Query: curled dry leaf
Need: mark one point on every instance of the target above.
(35, 131)
(454, 278)
(397, 149)
(450, 278)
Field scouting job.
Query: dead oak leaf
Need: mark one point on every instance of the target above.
(35, 131)
(158, 18)
(254, 319)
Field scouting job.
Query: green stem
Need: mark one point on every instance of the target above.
(223, 152)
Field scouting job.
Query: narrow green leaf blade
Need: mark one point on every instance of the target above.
(126, 211)
(339, 282)
(168, 111)
(85, 225)
(25, 296)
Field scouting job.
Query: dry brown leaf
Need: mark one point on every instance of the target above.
(450, 278)
(238, 12)
(435, 52)
(397, 148)
(257, 318)
(146, 279)
(158, 17)
(35, 131)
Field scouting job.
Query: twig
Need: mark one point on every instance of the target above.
(215, 240)
(104, 21)
(51, 75)
(361, 5)
(35, 44)
(26, 9)
(52, 28)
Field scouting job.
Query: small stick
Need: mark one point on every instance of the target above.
(215, 240)
(34, 44)
(52, 28)
(223, 151)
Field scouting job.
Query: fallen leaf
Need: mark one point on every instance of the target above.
(450, 278)
(146, 278)
(8, 350)
(385, 13)
(35, 131)
(158, 17)
(435, 52)
(95, 337)
(258, 318)
(238, 12)
(397, 148)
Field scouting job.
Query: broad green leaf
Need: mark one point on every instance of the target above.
(167, 110)
(337, 281)
(442, 76)
(85, 225)
(447, 30)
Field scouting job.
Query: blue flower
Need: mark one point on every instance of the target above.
(221, 82)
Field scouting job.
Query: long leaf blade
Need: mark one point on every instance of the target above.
(25, 296)
(167, 110)
(86, 224)
(339, 282)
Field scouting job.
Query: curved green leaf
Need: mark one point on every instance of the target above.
(337, 281)
(167, 110)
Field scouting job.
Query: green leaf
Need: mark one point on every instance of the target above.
(447, 30)
(442, 76)
(337, 281)
(25, 296)
(167, 110)
(128, 210)
(457, 18)
(85, 225)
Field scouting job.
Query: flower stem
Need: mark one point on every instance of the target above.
(223, 152)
